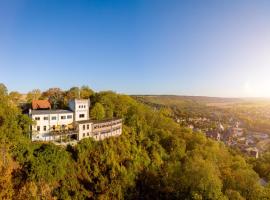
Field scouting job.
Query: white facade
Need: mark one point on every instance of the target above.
(46, 121)
(85, 130)
(81, 109)
(99, 130)
(51, 125)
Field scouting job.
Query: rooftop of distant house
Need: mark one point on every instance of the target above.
(41, 104)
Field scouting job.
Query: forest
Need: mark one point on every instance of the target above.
(154, 158)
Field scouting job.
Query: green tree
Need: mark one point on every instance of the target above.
(262, 166)
(86, 92)
(48, 164)
(201, 178)
(97, 112)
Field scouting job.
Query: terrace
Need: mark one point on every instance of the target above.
(58, 133)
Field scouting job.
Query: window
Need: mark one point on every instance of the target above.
(84, 135)
(44, 128)
(83, 127)
(53, 118)
(45, 118)
(63, 117)
(87, 126)
(53, 127)
(81, 116)
(88, 134)
(38, 128)
(37, 118)
(69, 116)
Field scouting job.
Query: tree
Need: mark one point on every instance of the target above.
(234, 195)
(15, 97)
(97, 112)
(201, 178)
(55, 96)
(262, 166)
(73, 93)
(48, 164)
(7, 167)
(33, 95)
(86, 92)
(3, 89)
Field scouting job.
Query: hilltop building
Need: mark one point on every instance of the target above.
(52, 125)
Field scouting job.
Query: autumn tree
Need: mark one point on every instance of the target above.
(15, 97)
(73, 93)
(7, 167)
(33, 95)
(55, 96)
(3, 89)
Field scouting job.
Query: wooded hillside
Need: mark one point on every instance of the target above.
(154, 158)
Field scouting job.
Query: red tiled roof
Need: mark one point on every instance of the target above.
(41, 104)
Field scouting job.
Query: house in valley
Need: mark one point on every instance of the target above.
(213, 135)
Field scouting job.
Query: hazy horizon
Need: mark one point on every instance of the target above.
(191, 48)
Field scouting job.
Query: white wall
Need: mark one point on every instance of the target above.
(50, 123)
(84, 133)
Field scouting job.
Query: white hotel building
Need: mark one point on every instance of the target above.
(52, 125)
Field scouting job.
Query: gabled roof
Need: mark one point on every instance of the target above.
(41, 104)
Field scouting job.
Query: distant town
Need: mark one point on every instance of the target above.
(234, 135)
(241, 124)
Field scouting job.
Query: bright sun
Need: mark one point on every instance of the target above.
(257, 89)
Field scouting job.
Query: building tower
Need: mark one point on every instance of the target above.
(80, 107)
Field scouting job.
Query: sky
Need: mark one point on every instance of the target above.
(188, 47)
